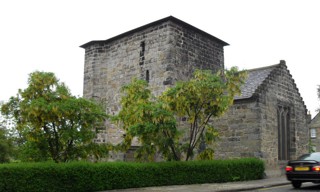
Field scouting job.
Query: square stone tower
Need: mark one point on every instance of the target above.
(162, 52)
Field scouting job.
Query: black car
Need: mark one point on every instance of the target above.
(305, 169)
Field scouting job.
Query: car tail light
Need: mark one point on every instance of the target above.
(289, 168)
(316, 168)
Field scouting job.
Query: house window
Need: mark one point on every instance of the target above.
(313, 133)
(283, 133)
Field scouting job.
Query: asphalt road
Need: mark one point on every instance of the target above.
(304, 187)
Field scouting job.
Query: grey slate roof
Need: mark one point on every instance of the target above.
(255, 78)
(259, 78)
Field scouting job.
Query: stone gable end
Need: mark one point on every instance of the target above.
(251, 126)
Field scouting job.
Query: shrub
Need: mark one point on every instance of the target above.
(85, 176)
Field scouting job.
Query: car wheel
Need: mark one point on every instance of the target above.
(296, 184)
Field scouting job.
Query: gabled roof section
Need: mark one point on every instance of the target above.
(170, 18)
(315, 122)
(255, 78)
(259, 78)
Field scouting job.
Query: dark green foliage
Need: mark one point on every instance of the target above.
(6, 146)
(84, 176)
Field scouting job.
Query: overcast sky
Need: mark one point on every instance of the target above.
(45, 35)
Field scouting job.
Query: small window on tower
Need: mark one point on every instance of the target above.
(147, 76)
(142, 49)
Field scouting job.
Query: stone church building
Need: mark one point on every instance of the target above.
(268, 120)
(162, 52)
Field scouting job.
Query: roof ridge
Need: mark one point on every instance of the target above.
(265, 67)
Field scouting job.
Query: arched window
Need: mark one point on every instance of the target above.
(283, 133)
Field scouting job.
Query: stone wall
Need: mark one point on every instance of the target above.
(191, 50)
(283, 91)
(161, 53)
(240, 131)
(250, 127)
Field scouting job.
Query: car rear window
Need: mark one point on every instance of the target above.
(312, 156)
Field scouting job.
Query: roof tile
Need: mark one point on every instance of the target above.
(255, 78)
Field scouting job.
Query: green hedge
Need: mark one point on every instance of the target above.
(84, 176)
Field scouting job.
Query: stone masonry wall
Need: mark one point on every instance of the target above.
(281, 90)
(191, 50)
(250, 127)
(240, 131)
(109, 66)
(162, 54)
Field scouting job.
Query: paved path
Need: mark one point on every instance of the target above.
(232, 186)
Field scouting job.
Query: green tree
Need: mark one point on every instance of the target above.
(153, 120)
(52, 123)
(6, 146)
(205, 96)
(145, 117)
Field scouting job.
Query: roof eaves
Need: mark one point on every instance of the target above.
(170, 18)
(253, 97)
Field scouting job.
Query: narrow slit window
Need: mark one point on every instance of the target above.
(147, 76)
(142, 50)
